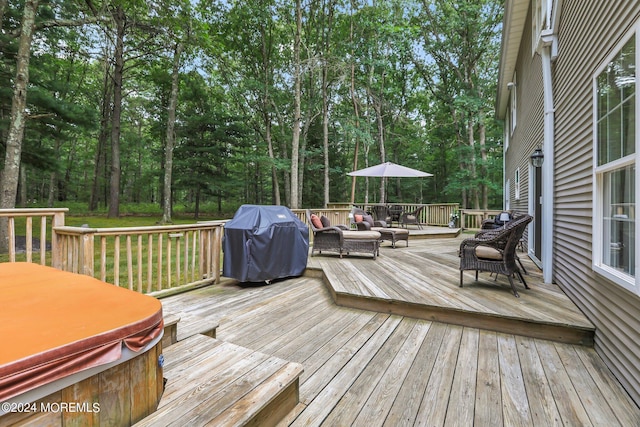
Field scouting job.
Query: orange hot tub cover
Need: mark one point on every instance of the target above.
(54, 324)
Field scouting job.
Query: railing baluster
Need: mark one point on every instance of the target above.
(169, 261)
(12, 239)
(150, 263)
(103, 258)
(129, 263)
(159, 258)
(43, 240)
(29, 238)
(139, 263)
(116, 260)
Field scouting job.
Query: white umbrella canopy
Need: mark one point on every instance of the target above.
(389, 169)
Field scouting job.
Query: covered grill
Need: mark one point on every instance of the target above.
(263, 243)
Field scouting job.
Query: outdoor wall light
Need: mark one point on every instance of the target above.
(537, 158)
(511, 85)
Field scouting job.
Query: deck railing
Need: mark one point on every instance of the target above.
(472, 218)
(144, 259)
(156, 258)
(437, 214)
(38, 233)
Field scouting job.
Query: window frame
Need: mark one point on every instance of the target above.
(625, 280)
(539, 14)
(513, 103)
(516, 183)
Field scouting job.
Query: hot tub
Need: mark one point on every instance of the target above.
(75, 342)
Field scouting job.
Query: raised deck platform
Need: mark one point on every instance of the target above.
(422, 281)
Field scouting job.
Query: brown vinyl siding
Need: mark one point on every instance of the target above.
(588, 33)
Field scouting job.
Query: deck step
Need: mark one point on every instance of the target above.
(218, 383)
(197, 325)
(170, 329)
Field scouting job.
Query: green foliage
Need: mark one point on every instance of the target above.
(426, 69)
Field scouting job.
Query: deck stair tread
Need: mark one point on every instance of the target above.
(213, 382)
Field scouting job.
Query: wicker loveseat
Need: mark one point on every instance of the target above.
(387, 233)
(495, 251)
(340, 239)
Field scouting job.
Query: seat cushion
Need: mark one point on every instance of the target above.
(396, 231)
(361, 235)
(487, 252)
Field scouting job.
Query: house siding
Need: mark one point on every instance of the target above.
(529, 130)
(588, 32)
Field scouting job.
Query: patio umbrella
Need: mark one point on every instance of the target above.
(386, 170)
(389, 169)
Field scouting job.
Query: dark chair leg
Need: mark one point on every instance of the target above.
(461, 273)
(522, 279)
(513, 286)
(521, 266)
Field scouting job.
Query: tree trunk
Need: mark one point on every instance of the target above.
(9, 176)
(100, 156)
(474, 174)
(325, 103)
(295, 140)
(114, 183)
(3, 6)
(171, 135)
(483, 153)
(266, 107)
(356, 110)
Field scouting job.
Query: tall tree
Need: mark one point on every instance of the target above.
(9, 175)
(297, 76)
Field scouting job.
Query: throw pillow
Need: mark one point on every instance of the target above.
(325, 221)
(358, 217)
(316, 221)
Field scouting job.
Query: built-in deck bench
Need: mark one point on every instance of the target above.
(218, 383)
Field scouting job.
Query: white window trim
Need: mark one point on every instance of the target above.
(507, 195)
(624, 280)
(513, 103)
(507, 132)
(516, 180)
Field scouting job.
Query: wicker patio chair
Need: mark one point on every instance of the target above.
(412, 218)
(339, 238)
(499, 222)
(495, 252)
(366, 223)
(381, 213)
(395, 211)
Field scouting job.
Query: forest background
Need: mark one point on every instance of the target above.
(206, 105)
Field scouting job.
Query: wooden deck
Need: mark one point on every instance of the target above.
(422, 281)
(363, 367)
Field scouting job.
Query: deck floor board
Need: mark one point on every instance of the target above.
(373, 368)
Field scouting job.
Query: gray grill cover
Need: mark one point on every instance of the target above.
(263, 243)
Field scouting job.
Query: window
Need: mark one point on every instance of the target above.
(516, 180)
(539, 21)
(616, 155)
